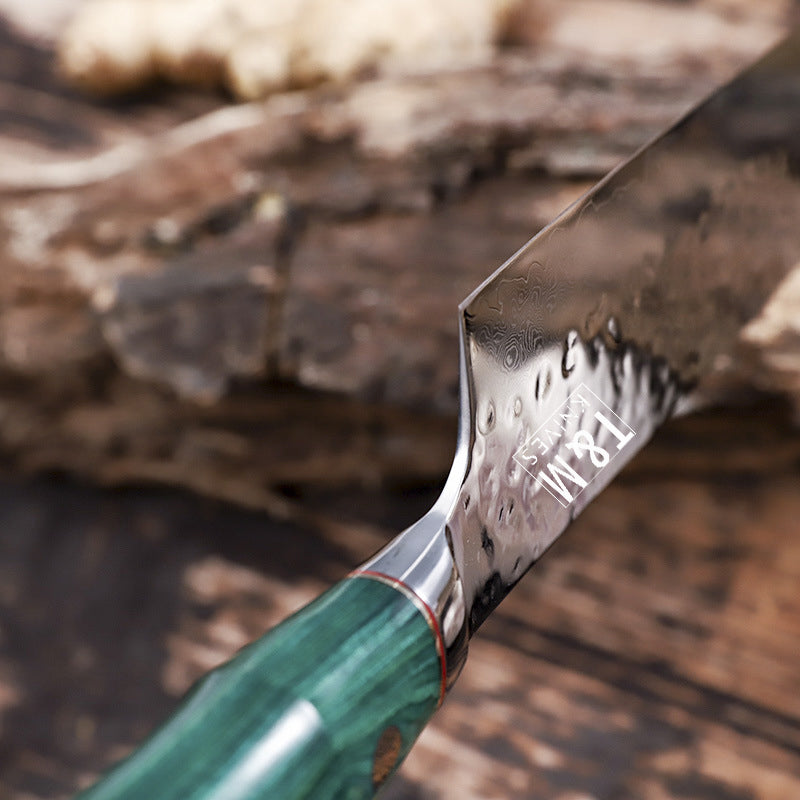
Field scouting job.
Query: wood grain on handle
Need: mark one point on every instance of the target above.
(326, 705)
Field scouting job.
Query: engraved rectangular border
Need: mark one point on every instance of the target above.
(598, 405)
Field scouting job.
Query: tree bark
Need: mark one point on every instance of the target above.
(237, 298)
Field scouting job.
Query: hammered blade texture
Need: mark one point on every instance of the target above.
(638, 294)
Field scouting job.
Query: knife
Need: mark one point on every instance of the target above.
(624, 311)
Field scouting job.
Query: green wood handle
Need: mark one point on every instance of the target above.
(326, 705)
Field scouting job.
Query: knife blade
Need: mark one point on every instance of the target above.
(624, 311)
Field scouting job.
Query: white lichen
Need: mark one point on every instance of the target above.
(255, 48)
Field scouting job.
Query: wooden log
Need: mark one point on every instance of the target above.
(650, 654)
(182, 278)
(166, 315)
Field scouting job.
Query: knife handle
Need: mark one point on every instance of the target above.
(325, 705)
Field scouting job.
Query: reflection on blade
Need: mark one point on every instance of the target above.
(625, 310)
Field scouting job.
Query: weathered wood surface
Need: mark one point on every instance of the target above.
(652, 654)
(257, 302)
(222, 296)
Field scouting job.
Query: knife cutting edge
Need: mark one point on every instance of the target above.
(624, 311)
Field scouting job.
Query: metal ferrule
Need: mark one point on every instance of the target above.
(422, 557)
(421, 561)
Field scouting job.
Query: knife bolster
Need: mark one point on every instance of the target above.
(420, 562)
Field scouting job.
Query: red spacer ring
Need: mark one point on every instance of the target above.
(423, 607)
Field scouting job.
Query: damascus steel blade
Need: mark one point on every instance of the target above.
(624, 311)
(628, 306)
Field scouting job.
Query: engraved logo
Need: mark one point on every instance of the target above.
(591, 433)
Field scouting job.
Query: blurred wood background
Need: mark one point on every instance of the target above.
(255, 304)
